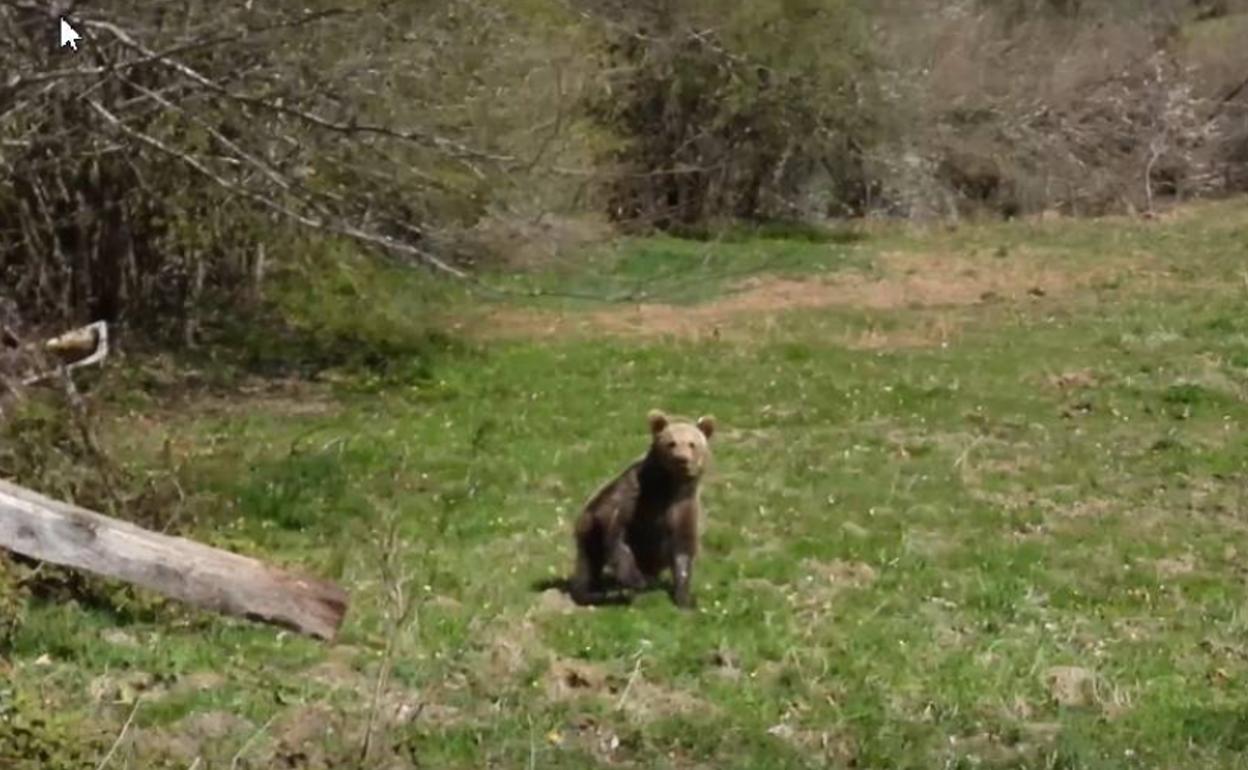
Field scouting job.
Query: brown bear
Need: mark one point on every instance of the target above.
(645, 520)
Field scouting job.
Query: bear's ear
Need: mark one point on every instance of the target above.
(657, 420)
(706, 424)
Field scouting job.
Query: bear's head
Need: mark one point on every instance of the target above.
(682, 447)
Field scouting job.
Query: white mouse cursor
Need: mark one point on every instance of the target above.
(69, 35)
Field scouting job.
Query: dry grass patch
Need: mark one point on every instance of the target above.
(905, 280)
(632, 692)
(1026, 746)
(833, 747)
(825, 581)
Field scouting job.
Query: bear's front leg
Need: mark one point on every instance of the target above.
(682, 578)
(585, 579)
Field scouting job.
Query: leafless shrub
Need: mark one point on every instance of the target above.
(725, 111)
(1086, 109)
(152, 175)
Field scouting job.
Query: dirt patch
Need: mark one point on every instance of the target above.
(825, 581)
(931, 543)
(927, 332)
(1072, 686)
(725, 664)
(398, 705)
(1083, 378)
(590, 735)
(510, 651)
(907, 281)
(119, 638)
(1005, 501)
(206, 735)
(513, 646)
(514, 649)
(446, 603)
(709, 320)
(837, 749)
(555, 602)
(1089, 508)
(301, 736)
(932, 280)
(319, 737)
(157, 427)
(838, 574)
(338, 670)
(648, 701)
(1026, 745)
(1176, 567)
(571, 680)
(290, 398)
(1008, 466)
(123, 687)
(214, 726)
(176, 388)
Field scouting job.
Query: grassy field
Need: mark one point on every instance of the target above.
(978, 500)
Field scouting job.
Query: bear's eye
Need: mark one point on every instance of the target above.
(671, 444)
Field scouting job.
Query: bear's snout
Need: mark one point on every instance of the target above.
(686, 463)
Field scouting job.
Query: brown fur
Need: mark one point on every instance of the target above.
(645, 520)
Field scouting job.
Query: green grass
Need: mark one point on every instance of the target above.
(900, 542)
(685, 270)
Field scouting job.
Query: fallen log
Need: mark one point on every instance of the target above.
(49, 530)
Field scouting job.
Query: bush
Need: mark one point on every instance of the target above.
(726, 110)
(160, 199)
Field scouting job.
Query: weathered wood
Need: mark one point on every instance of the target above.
(52, 531)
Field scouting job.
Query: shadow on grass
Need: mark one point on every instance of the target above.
(609, 592)
(51, 585)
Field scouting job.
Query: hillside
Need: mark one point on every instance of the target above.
(975, 502)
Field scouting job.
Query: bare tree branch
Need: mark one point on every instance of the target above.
(339, 228)
(424, 137)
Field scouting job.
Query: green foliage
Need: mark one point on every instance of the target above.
(336, 309)
(42, 445)
(12, 606)
(35, 737)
